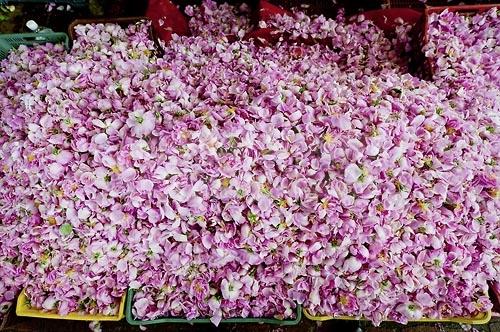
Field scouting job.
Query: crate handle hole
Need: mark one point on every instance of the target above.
(34, 39)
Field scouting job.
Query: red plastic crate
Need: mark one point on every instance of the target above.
(385, 18)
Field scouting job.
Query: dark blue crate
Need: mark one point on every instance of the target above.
(14, 40)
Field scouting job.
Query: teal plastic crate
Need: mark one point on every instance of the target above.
(14, 40)
(132, 321)
(72, 3)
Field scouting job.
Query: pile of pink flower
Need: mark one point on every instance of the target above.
(230, 179)
(461, 45)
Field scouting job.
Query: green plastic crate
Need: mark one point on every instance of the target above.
(132, 321)
(14, 40)
(72, 3)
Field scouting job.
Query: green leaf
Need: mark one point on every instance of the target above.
(65, 229)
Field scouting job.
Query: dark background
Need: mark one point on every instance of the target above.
(59, 20)
(20, 324)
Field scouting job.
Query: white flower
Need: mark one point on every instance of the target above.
(352, 264)
(352, 173)
(231, 289)
(142, 123)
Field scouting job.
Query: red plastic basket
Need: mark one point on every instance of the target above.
(385, 18)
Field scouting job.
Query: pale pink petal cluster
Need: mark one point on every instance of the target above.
(227, 179)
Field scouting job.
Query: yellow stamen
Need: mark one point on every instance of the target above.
(328, 138)
(494, 192)
(324, 203)
(423, 205)
(225, 182)
(185, 135)
(265, 189)
(198, 288)
(115, 169)
(282, 203)
(43, 258)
